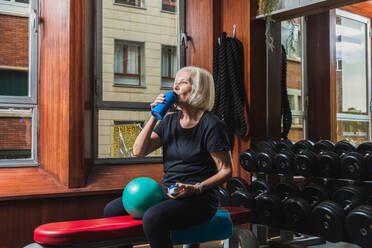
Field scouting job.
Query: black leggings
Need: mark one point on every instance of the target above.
(170, 214)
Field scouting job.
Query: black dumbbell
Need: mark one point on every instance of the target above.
(329, 165)
(358, 225)
(285, 162)
(323, 146)
(328, 217)
(303, 145)
(265, 144)
(248, 158)
(354, 165)
(247, 199)
(223, 196)
(269, 206)
(265, 161)
(297, 210)
(342, 147)
(284, 145)
(248, 161)
(306, 163)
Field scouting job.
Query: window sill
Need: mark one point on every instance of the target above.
(129, 86)
(130, 6)
(168, 12)
(36, 183)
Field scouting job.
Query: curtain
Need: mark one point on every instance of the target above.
(132, 59)
(118, 58)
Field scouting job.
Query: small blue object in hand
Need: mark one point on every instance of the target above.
(174, 190)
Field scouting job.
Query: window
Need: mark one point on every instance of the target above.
(352, 77)
(137, 59)
(18, 88)
(168, 66)
(292, 40)
(128, 63)
(15, 6)
(169, 5)
(136, 3)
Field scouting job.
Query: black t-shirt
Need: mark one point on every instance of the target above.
(186, 150)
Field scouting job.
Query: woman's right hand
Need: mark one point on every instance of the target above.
(159, 99)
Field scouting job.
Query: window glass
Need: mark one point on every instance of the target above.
(351, 50)
(291, 38)
(15, 133)
(138, 61)
(169, 5)
(117, 132)
(352, 97)
(168, 66)
(354, 131)
(14, 55)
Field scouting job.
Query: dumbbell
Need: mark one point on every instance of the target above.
(354, 164)
(297, 210)
(265, 161)
(269, 206)
(342, 147)
(358, 225)
(248, 158)
(243, 197)
(223, 196)
(324, 146)
(285, 162)
(303, 145)
(306, 163)
(328, 217)
(284, 145)
(328, 164)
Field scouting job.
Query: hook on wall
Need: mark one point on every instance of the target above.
(234, 30)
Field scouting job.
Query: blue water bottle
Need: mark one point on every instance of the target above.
(162, 108)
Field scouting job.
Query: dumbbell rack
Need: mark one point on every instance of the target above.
(334, 183)
(262, 231)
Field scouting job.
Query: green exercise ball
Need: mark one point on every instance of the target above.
(140, 194)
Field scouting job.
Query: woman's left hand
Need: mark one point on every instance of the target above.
(185, 190)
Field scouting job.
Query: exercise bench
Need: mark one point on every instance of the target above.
(127, 231)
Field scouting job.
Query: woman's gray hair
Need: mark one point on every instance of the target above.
(202, 92)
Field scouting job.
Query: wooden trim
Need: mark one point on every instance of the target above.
(31, 183)
(321, 53)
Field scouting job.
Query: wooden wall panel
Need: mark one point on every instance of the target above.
(235, 12)
(321, 57)
(20, 218)
(61, 91)
(202, 26)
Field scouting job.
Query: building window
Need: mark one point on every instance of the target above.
(292, 37)
(14, 6)
(168, 66)
(136, 3)
(169, 5)
(128, 63)
(18, 87)
(352, 83)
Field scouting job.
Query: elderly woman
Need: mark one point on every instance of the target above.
(196, 155)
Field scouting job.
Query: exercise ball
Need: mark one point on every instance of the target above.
(140, 194)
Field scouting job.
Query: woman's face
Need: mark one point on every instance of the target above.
(182, 86)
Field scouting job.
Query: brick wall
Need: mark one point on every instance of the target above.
(13, 41)
(15, 133)
(293, 74)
